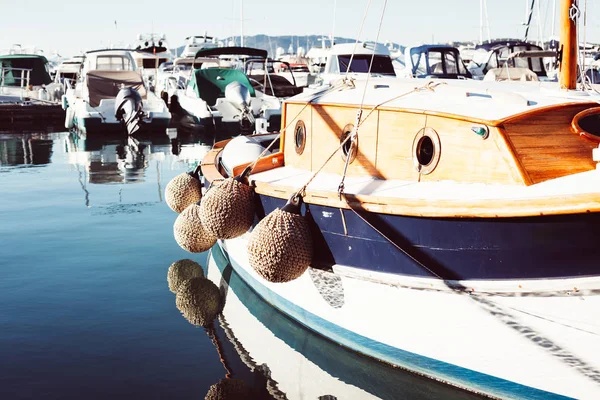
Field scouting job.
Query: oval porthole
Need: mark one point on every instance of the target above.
(300, 137)
(426, 151)
(350, 145)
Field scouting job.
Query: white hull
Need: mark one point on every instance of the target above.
(290, 371)
(539, 342)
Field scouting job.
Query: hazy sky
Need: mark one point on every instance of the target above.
(70, 26)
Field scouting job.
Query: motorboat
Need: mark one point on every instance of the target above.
(24, 77)
(354, 60)
(296, 73)
(110, 95)
(265, 76)
(220, 98)
(495, 54)
(193, 44)
(435, 61)
(448, 227)
(65, 74)
(151, 50)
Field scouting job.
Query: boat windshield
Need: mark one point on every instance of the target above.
(360, 63)
(113, 63)
(437, 62)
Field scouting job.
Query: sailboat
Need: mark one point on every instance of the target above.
(446, 227)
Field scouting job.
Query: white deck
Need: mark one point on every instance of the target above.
(582, 183)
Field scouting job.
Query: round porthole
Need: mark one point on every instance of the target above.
(587, 124)
(350, 144)
(426, 151)
(300, 137)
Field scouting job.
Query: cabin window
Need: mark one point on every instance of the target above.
(360, 63)
(450, 60)
(150, 63)
(300, 137)
(426, 150)
(436, 65)
(350, 148)
(113, 63)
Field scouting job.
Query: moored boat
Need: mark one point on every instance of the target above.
(110, 94)
(452, 224)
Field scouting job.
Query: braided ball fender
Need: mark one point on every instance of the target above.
(227, 209)
(189, 232)
(181, 191)
(280, 247)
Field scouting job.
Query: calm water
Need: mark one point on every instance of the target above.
(85, 310)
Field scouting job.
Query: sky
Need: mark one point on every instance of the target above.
(68, 27)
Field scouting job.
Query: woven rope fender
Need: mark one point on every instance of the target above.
(227, 209)
(199, 301)
(189, 233)
(182, 270)
(280, 247)
(183, 190)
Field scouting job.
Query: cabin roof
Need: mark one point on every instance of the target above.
(487, 102)
(360, 48)
(23, 57)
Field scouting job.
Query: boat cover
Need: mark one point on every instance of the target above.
(37, 64)
(209, 83)
(106, 84)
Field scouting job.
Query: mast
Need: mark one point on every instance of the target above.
(568, 47)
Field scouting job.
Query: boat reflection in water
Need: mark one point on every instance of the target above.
(269, 355)
(121, 159)
(27, 149)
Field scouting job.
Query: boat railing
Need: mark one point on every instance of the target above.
(24, 78)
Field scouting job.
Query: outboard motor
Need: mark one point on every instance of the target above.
(239, 95)
(128, 109)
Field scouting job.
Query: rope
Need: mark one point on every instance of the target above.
(396, 245)
(210, 331)
(360, 110)
(357, 39)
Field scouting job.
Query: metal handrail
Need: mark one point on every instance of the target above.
(24, 79)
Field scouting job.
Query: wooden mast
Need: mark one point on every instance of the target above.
(569, 47)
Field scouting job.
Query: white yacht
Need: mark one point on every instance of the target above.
(110, 94)
(151, 50)
(23, 77)
(65, 74)
(193, 44)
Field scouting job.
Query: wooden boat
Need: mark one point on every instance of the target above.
(454, 226)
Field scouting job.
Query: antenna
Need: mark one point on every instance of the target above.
(333, 28)
(242, 23)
